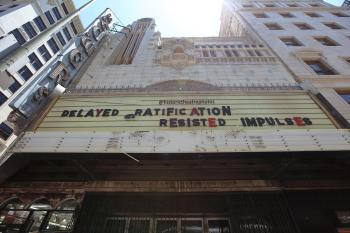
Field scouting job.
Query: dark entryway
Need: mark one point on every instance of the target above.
(264, 212)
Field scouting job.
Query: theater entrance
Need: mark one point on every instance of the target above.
(185, 213)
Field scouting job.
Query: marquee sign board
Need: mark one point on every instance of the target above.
(187, 112)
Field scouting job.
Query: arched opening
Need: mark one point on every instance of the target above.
(68, 204)
(179, 49)
(41, 206)
(12, 203)
(13, 215)
(62, 219)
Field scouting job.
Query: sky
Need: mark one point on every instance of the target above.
(174, 18)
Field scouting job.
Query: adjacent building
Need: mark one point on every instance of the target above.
(20, 23)
(234, 133)
(310, 37)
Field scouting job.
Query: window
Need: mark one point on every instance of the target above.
(61, 39)
(14, 86)
(235, 53)
(333, 25)
(53, 45)
(34, 61)
(205, 53)
(28, 28)
(5, 131)
(49, 17)
(64, 8)
(44, 52)
(314, 4)
(340, 14)
(273, 26)
(287, 15)
(320, 67)
(67, 34)
(17, 34)
(270, 5)
(218, 225)
(251, 53)
(326, 41)
(312, 14)
(290, 41)
(258, 53)
(13, 6)
(73, 28)
(303, 26)
(3, 98)
(228, 53)
(260, 15)
(40, 23)
(25, 73)
(212, 53)
(345, 96)
(56, 13)
(247, 5)
(292, 5)
(347, 59)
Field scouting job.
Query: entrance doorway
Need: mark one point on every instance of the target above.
(166, 225)
(185, 213)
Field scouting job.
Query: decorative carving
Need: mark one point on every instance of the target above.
(308, 53)
(177, 53)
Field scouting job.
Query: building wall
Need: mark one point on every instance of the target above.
(294, 57)
(20, 23)
(156, 62)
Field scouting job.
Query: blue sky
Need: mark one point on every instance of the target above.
(174, 18)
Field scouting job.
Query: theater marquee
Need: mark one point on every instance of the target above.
(185, 112)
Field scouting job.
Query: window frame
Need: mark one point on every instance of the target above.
(19, 37)
(67, 33)
(61, 38)
(35, 61)
(57, 13)
(53, 45)
(273, 26)
(264, 15)
(29, 29)
(3, 98)
(328, 70)
(284, 15)
(49, 17)
(330, 25)
(5, 131)
(326, 41)
(40, 23)
(44, 52)
(313, 14)
(64, 7)
(303, 26)
(14, 86)
(25, 70)
(286, 39)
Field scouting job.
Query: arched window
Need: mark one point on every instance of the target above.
(12, 215)
(40, 208)
(63, 218)
(179, 49)
(12, 203)
(68, 204)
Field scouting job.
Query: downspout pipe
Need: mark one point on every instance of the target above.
(36, 42)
